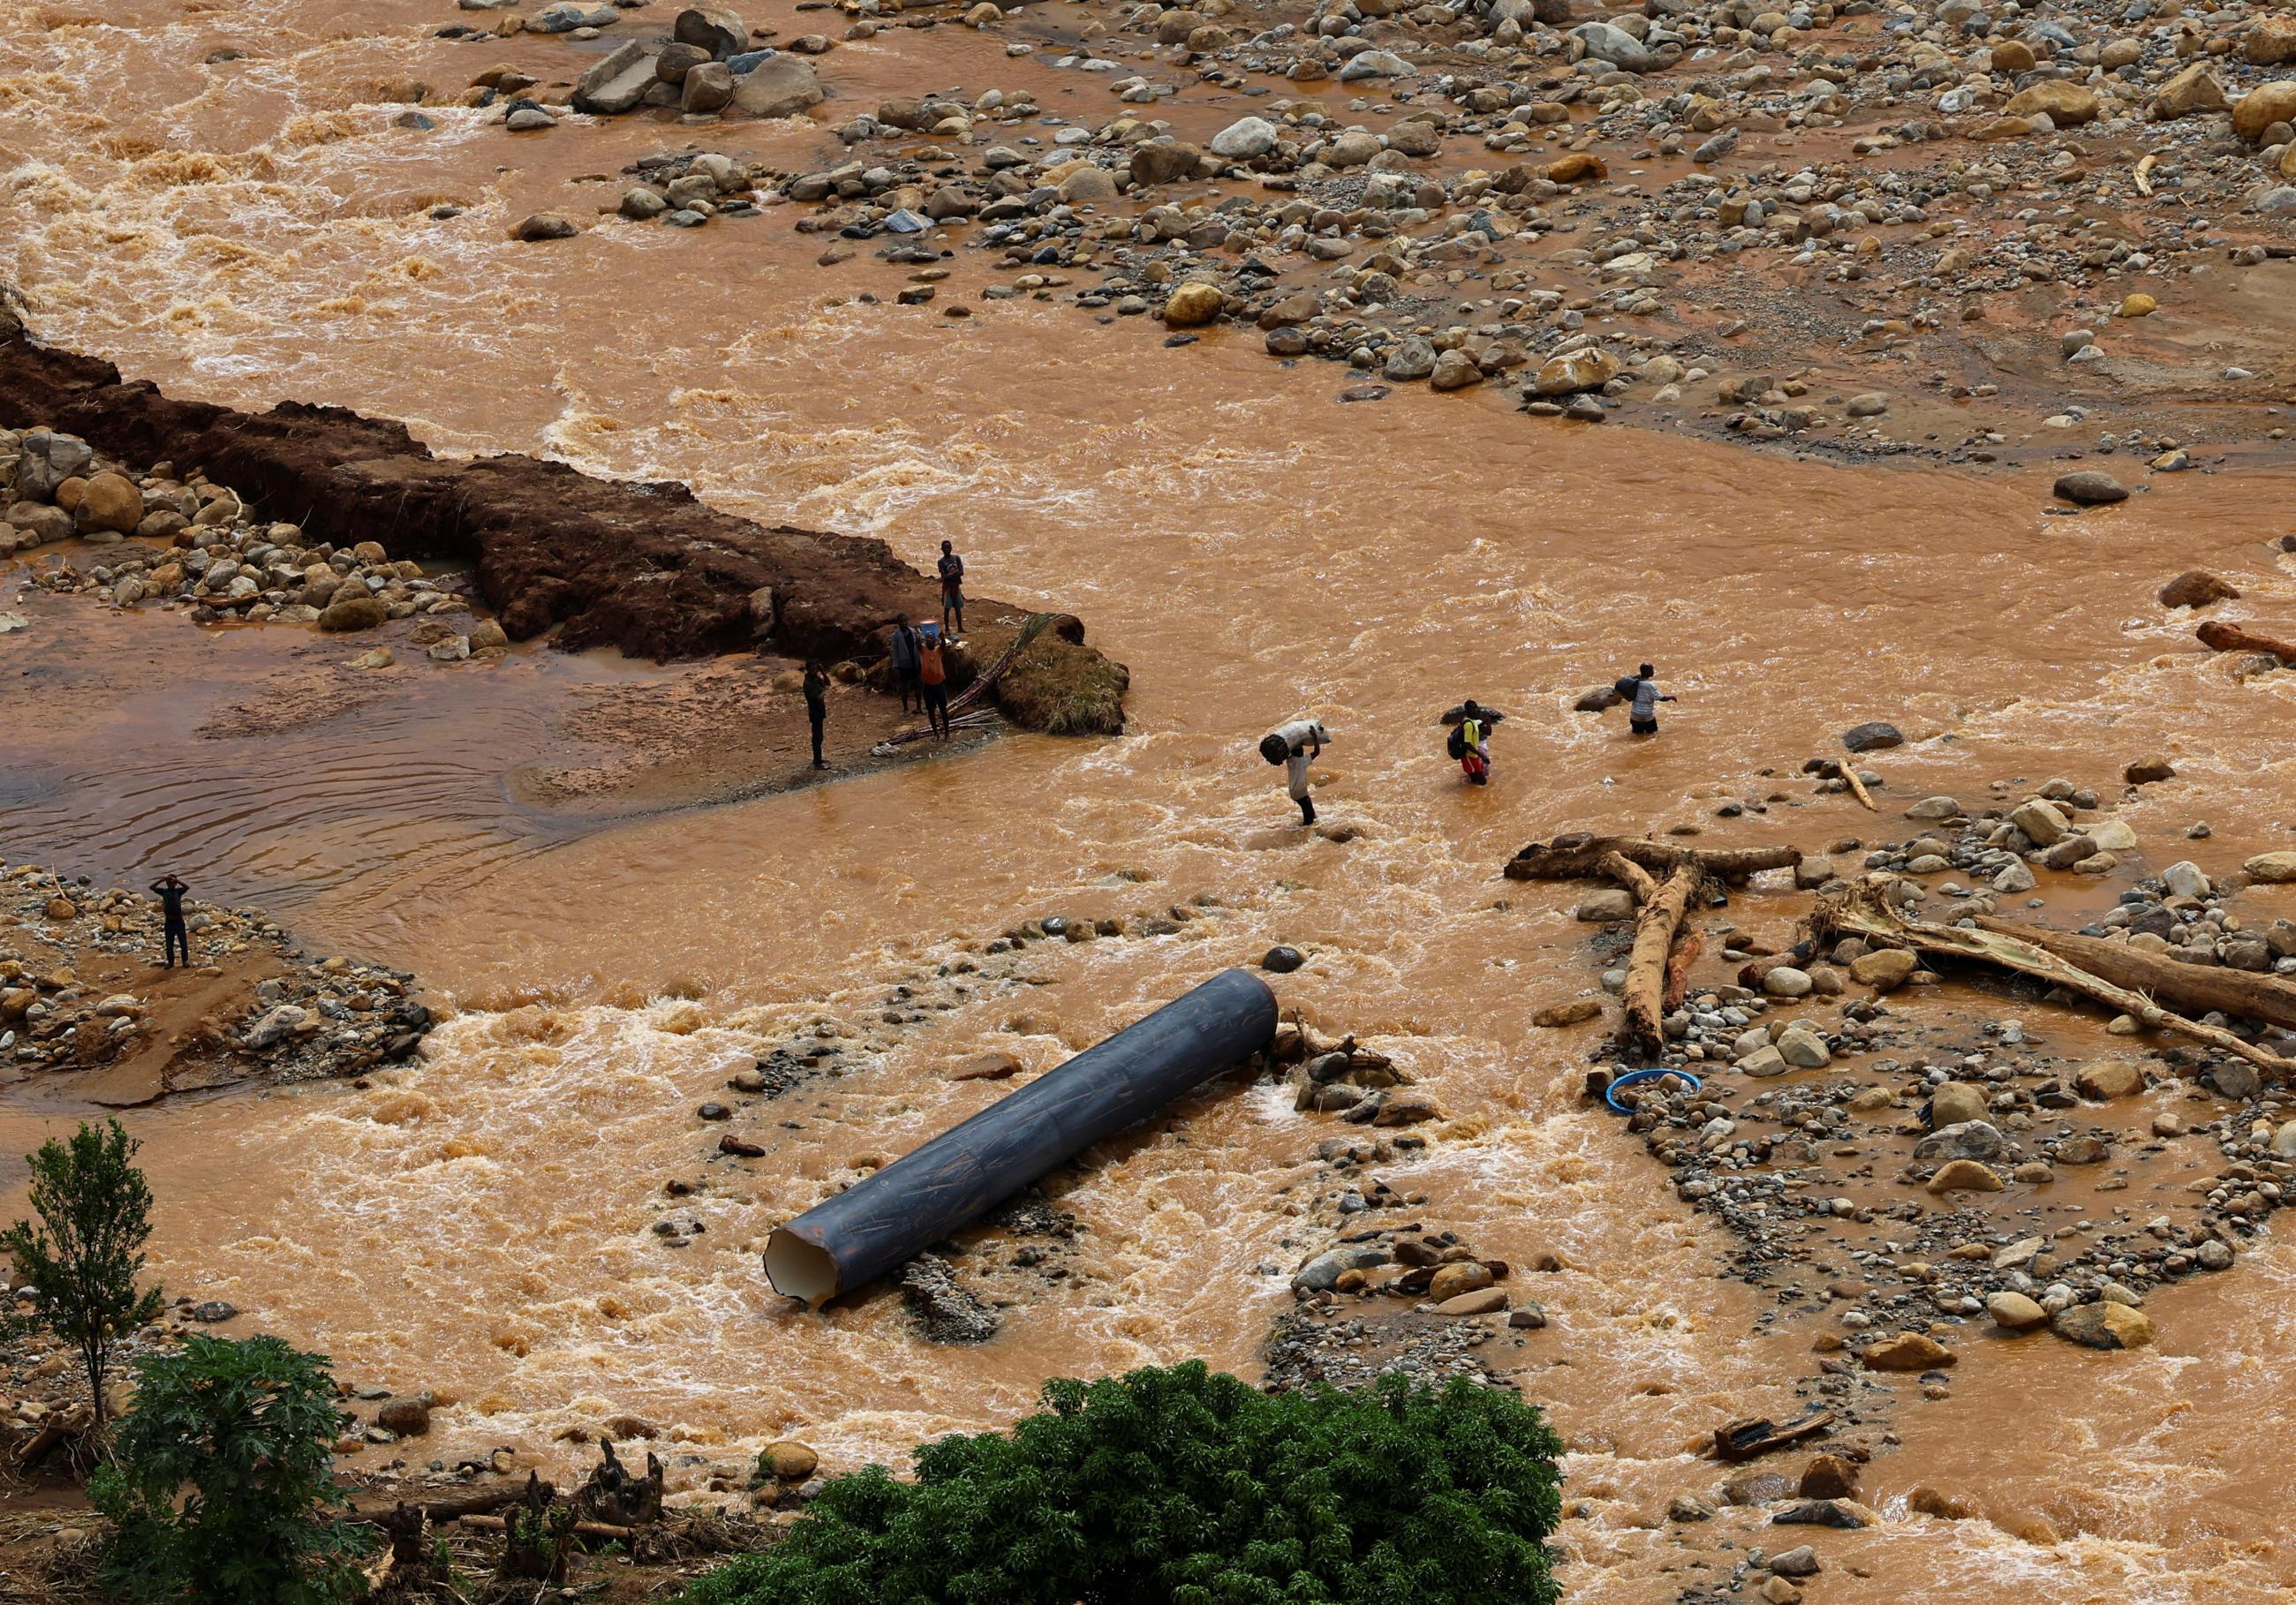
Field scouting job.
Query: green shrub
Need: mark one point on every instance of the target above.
(243, 1434)
(85, 1254)
(1191, 1486)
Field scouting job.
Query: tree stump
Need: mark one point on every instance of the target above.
(619, 1497)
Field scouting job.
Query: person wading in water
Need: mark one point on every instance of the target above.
(1295, 746)
(1469, 740)
(1642, 696)
(816, 705)
(173, 932)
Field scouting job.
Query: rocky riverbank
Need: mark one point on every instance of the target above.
(83, 991)
(644, 568)
(1940, 232)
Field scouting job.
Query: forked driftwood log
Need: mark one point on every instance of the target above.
(1658, 968)
(1865, 909)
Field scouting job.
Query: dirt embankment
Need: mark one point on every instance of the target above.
(643, 567)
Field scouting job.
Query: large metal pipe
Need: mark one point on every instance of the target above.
(923, 1196)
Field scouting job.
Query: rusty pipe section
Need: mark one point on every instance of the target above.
(921, 1198)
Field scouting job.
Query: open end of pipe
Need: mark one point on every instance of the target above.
(799, 1270)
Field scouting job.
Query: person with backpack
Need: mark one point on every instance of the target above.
(903, 653)
(1295, 746)
(932, 677)
(1469, 740)
(1642, 696)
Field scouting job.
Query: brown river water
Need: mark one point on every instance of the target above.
(479, 1225)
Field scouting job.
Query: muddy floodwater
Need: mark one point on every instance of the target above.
(481, 1222)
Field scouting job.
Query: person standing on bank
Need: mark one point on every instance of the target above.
(1642, 696)
(816, 705)
(952, 589)
(905, 664)
(174, 933)
(933, 676)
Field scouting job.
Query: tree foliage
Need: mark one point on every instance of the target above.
(219, 1482)
(85, 1253)
(1185, 1486)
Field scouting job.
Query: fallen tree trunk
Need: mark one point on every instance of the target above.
(2220, 636)
(1646, 966)
(1631, 875)
(2193, 988)
(448, 1510)
(1579, 858)
(1864, 910)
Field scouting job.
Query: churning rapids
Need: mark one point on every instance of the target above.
(479, 1223)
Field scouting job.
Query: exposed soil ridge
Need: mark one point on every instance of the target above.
(641, 566)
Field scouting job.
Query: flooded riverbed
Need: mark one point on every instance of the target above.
(1251, 546)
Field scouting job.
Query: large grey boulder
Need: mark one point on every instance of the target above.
(780, 85)
(618, 82)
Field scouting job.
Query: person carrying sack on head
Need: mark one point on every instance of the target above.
(1295, 746)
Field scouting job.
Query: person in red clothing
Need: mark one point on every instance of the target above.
(932, 678)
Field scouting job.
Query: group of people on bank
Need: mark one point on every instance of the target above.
(919, 659)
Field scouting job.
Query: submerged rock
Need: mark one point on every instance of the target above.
(947, 1311)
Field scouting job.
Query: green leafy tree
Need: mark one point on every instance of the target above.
(1185, 1486)
(85, 1252)
(219, 1486)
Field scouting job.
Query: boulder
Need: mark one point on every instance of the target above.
(1455, 371)
(1957, 1103)
(1873, 736)
(1167, 161)
(36, 521)
(2104, 1324)
(2193, 91)
(789, 1460)
(1467, 1276)
(676, 60)
(617, 83)
(1884, 971)
(407, 1418)
(2149, 771)
(360, 612)
(1488, 1301)
(1963, 1175)
(1787, 980)
(1608, 42)
(1244, 139)
(1087, 185)
(708, 87)
(1907, 1351)
(2271, 868)
(1972, 1139)
(1803, 1048)
(1828, 1476)
(1194, 304)
(110, 501)
(2197, 588)
(2270, 42)
(2042, 820)
(781, 85)
(2263, 106)
(1375, 64)
(2015, 1312)
(45, 460)
(543, 225)
(2088, 487)
(2066, 105)
(2107, 1078)
(1588, 368)
(720, 33)
(1577, 1011)
(1607, 907)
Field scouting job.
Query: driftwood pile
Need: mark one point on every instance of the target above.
(540, 1532)
(1666, 881)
